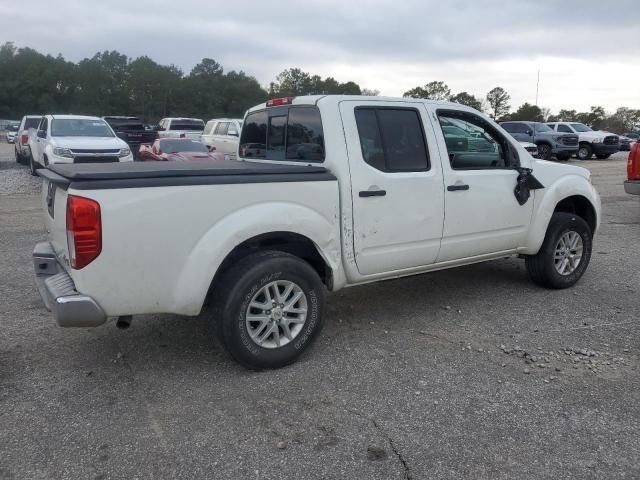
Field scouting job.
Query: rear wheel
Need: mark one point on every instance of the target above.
(17, 155)
(585, 151)
(544, 151)
(565, 252)
(32, 166)
(268, 309)
(602, 156)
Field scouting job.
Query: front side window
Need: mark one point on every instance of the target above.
(476, 144)
(293, 133)
(392, 139)
(564, 129)
(80, 127)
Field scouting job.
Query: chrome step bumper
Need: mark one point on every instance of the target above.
(69, 307)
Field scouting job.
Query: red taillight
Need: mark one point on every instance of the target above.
(274, 102)
(24, 138)
(633, 163)
(84, 230)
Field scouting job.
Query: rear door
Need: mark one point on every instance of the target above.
(396, 185)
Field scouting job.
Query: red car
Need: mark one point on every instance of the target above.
(177, 149)
(632, 184)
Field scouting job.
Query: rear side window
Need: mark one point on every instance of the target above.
(208, 128)
(31, 123)
(221, 128)
(515, 127)
(293, 133)
(564, 129)
(392, 139)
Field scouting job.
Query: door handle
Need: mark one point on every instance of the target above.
(453, 188)
(373, 193)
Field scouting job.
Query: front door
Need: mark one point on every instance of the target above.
(482, 215)
(396, 185)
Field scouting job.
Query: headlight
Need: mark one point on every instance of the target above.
(62, 152)
(124, 152)
(598, 140)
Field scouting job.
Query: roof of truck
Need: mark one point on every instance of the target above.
(315, 99)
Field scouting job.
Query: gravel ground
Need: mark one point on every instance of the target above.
(467, 373)
(15, 178)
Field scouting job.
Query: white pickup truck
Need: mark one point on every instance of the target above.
(329, 192)
(181, 128)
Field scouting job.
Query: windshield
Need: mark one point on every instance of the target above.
(581, 127)
(187, 125)
(541, 127)
(176, 146)
(80, 127)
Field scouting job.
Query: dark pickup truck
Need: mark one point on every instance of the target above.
(132, 131)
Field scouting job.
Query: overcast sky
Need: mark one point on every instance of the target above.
(588, 51)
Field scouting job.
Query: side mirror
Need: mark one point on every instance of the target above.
(211, 148)
(530, 132)
(232, 133)
(42, 134)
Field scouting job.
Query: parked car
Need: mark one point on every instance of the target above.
(75, 139)
(132, 131)
(21, 148)
(603, 144)
(11, 132)
(178, 149)
(181, 128)
(380, 195)
(625, 143)
(634, 136)
(632, 184)
(550, 144)
(223, 135)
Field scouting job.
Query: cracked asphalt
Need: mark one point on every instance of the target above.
(467, 373)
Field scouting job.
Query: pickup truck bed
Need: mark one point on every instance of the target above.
(161, 174)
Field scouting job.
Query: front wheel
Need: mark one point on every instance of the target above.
(268, 309)
(602, 156)
(544, 151)
(565, 252)
(585, 152)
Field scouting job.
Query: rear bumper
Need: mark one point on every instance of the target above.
(69, 307)
(632, 187)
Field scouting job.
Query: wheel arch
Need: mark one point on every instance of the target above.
(571, 194)
(291, 228)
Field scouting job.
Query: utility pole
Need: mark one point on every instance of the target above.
(537, 87)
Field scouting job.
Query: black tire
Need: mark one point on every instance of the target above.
(17, 155)
(602, 156)
(541, 267)
(585, 152)
(234, 291)
(544, 151)
(32, 166)
(563, 157)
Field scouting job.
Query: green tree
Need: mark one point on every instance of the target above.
(464, 98)
(528, 112)
(294, 81)
(498, 100)
(435, 90)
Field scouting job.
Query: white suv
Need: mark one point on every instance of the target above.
(603, 144)
(223, 134)
(75, 139)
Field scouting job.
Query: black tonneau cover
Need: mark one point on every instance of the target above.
(157, 174)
